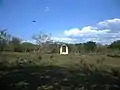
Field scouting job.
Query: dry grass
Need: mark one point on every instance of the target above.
(25, 71)
(62, 60)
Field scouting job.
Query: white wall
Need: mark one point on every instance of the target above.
(61, 52)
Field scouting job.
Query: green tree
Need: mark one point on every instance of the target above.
(79, 48)
(101, 49)
(3, 39)
(27, 46)
(115, 45)
(15, 41)
(16, 44)
(90, 46)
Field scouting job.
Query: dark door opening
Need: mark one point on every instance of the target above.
(63, 48)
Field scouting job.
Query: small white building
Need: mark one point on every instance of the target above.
(64, 49)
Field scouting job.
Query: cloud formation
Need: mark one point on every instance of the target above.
(103, 32)
(55, 39)
(47, 9)
(84, 31)
(64, 39)
(29, 41)
(113, 25)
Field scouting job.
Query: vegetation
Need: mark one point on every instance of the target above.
(55, 72)
(28, 66)
(45, 44)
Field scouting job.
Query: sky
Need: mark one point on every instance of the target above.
(70, 21)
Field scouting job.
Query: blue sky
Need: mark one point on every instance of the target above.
(64, 19)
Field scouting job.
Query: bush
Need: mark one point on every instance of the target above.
(40, 57)
(114, 55)
(18, 49)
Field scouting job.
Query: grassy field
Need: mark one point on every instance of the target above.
(62, 60)
(28, 71)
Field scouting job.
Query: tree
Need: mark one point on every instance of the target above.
(72, 48)
(16, 44)
(3, 39)
(3, 34)
(90, 46)
(79, 48)
(15, 41)
(42, 39)
(27, 47)
(101, 49)
(115, 45)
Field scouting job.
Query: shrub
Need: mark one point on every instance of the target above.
(114, 55)
(40, 57)
(51, 57)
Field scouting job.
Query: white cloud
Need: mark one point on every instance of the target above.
(30, 41)
(72, 32)
(111, 21)
(55, 39)
(84, 31)
(112, 24)
(64, 39)
(103, 32)
(47, 9)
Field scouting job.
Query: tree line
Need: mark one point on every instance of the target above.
(44, 44)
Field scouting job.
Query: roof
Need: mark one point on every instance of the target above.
(64, 45)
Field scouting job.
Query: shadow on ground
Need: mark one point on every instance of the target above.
(56, 78)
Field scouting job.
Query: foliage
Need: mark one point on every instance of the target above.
(90, 46)
(27, 47)
(72, 72)
(46, 45)
(2, 34)
(2, 39)
(115, 45)
(11, 43)
(15, 42)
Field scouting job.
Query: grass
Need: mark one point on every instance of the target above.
(59, 72)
